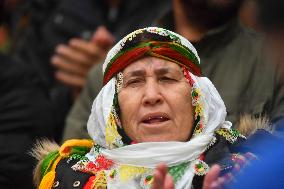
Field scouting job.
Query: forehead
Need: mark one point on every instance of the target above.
(150, 63)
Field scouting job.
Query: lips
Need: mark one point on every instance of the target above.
(155, 118)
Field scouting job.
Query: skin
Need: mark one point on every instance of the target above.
(154, 87)
(74, 60)
(212, 179)
(163, 180)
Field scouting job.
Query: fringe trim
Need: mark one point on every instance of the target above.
(248, 125)
(40, 150)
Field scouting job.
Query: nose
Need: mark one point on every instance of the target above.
(152, 94)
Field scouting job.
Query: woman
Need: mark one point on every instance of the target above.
(154, 107)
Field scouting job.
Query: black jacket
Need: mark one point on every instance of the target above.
(25, 115)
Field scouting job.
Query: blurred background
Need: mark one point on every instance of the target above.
(51, 53)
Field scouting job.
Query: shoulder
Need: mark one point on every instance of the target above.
(233, 149)
(251, 35)
(95, 80)
(96, 72)
(220, 152)
(229, 135)
(248, 42)
(55, 162)
(231, 143)
(76, 120)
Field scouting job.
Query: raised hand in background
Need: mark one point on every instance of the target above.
(74, 60)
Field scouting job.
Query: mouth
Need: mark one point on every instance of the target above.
(155, 118)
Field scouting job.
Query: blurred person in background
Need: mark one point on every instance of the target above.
(271, 20)
(10, 17)
(232, 57)
(66, 38)
(267, 171)
(25, 116)
(248, 15)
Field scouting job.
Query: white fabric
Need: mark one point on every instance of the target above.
(150, 154)
(213, 105)
(185, 183)
(101, 109)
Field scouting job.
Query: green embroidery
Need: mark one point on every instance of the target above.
(178, 171)
(230, 135)
(82, 150)
(97, 148)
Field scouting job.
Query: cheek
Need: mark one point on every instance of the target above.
(183, 109)
(188, 104)
(182, 99)
(186, 120)
(189, 112)
(128, 108)
(186, 109)
(123, 110)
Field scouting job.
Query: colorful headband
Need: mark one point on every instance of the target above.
(157, 42)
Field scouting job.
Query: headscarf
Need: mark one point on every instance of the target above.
(104, 124)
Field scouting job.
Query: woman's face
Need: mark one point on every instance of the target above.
(155, 101)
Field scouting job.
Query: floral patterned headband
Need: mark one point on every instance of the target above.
(157, 42)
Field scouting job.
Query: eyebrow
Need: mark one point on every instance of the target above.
(158, 71)
(138, 72)
(162, 71)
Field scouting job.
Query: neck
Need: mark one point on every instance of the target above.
(184, 26)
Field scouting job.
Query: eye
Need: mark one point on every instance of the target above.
(135, 82)
(167, 79)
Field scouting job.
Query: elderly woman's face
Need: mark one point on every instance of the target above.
(155, 101)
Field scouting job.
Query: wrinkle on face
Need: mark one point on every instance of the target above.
(153, 86)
